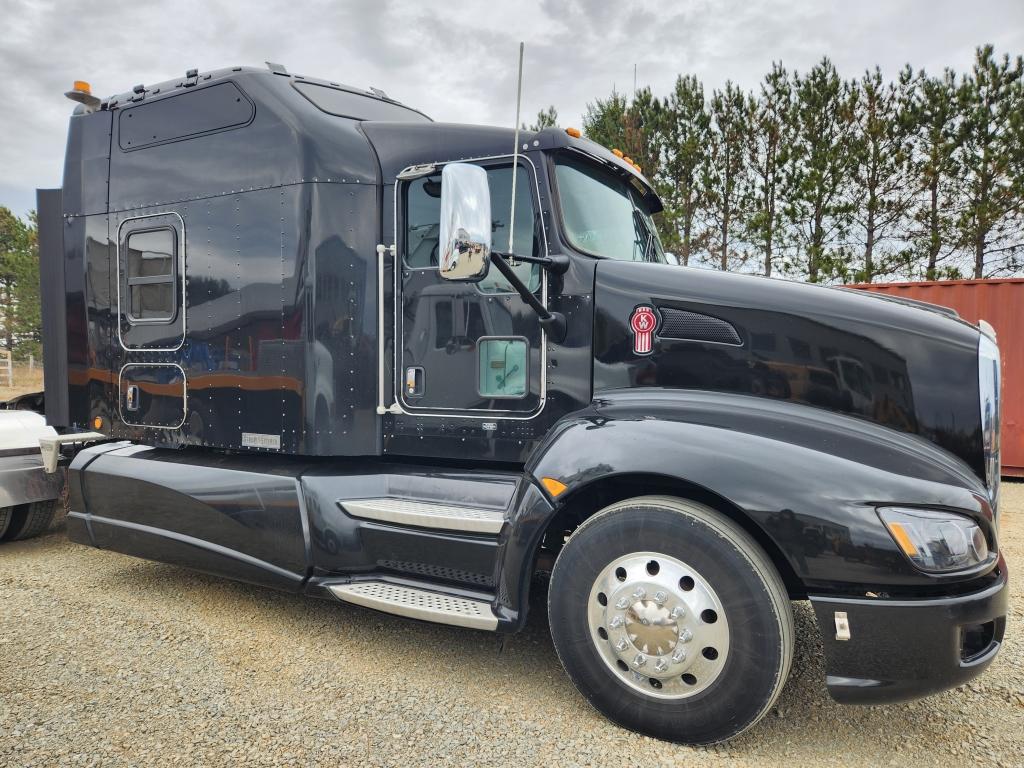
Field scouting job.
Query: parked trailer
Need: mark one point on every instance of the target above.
(316, 358)
(28, 495)
(1001, 303)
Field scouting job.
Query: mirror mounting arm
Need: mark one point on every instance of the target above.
(557, 263)
(552, 322)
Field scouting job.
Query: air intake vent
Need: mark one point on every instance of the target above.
(693, 326)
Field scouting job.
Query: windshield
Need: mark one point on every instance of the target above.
(603, 215)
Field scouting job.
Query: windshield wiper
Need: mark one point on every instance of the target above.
(642, 229)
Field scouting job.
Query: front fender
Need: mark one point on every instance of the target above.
(809, 479)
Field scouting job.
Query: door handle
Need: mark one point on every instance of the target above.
(414, 381)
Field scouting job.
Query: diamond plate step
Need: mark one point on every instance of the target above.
(426, 514)
(416, 603)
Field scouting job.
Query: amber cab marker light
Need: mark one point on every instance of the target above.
(574, 132)
(81, 92)
(617, 153)
(553, 487)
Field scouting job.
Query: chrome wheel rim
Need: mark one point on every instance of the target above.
(658, 625)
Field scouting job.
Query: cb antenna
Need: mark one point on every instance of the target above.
(515, 154)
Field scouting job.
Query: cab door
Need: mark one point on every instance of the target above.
(469, 348)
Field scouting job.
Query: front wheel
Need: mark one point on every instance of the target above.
(671, 620)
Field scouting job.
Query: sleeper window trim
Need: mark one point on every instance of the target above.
(170, 279)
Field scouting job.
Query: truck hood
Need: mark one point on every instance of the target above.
(902, 366)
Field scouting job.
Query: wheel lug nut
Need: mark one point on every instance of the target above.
(616, 622)
(660, 597)
(685, 636)
(622, 645)
(661, 665)
(678, 612)
(640, 660)
(679, 655)
(623, 603)
(640, 593)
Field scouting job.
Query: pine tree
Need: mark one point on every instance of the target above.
(546, 118)
(879, 196)
(642, 137)
(934, 136)
(686, 127)
(990, 157)
(727, 183)
(605, 121)
(19, 283)
(819, 170)
(768, 148)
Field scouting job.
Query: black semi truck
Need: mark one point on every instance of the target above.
(298, 334)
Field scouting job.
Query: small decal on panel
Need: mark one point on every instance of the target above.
(258, 440)
(643, 323)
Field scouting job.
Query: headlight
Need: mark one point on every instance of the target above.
(936, 541)
(988, 390)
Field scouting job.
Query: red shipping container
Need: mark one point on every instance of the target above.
(1000, 303)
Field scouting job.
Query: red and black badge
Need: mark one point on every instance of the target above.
(644, 323)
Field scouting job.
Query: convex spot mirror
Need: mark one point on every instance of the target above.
(465, 223)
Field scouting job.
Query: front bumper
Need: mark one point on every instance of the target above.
(905, 649)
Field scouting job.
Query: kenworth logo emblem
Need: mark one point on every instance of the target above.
(643, 322)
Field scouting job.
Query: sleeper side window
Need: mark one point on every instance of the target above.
(149, 261)
(423, 215)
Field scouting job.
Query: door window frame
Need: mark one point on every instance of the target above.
(398, 326)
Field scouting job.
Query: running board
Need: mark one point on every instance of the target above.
(425, 514)
(416, 603)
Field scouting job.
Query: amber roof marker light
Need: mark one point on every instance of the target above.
(81, 92)
(574, 132)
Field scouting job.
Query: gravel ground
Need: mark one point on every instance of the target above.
(108, 660)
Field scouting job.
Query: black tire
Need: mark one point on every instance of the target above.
(6, 513)
(30, 520)
(760, 633)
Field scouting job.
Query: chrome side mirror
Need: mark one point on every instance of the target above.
(465, 236)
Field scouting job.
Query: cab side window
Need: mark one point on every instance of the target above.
(423, 215)
(149, 264)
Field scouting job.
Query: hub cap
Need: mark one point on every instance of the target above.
(658, 625)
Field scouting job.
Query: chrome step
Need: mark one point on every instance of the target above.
(417, 603)
(426, 514)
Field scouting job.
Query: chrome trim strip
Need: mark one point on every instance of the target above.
(382, 251)
(990, 403)
(425, 514)
(399, 406)
(414, 603)
(181, 278)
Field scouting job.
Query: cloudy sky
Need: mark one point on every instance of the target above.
(455, 59)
